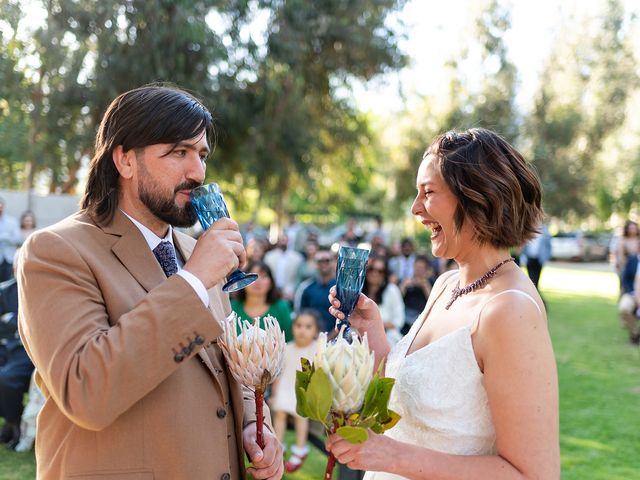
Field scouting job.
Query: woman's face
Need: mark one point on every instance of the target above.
(27, 222)
(632, 230)
(436, 205)
(261, 286)
(304, 330)
(376, 272)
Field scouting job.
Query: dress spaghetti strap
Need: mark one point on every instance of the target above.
(474, 326)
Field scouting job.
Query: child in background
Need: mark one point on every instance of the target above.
(306, 328)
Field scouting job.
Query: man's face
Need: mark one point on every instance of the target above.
(326, 264)
(166, 176)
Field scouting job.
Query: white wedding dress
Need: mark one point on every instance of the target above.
(440, 395)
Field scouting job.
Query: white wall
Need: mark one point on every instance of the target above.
(48, 209)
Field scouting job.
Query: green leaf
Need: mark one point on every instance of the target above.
(383, 393)
(369, 398)
(302, 379)
(302, 408)
(353, 434)
(307, 367)
(319, 396)
(391, 421)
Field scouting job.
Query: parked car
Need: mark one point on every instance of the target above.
(580, 246)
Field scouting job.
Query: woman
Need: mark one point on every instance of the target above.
(415, 291)
(27, 224)
(386, 295)
(476, 381)
(262, 298)
(626, 256)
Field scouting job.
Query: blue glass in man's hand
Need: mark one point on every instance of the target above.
(209, 205)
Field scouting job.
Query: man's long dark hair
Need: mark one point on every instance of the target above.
(144, 116)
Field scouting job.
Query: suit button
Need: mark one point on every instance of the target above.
(178, 358)
(199, 340)
(225, 476)
(221, 412)
(187, 350)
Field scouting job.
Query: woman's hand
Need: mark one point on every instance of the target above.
(372, 455)
(365, 317)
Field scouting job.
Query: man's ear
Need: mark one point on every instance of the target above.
(123, 161)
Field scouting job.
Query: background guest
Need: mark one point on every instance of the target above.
(27, 224)
(10, 239)
(314, 294)
(262, 298)
(626, 256)
(15, 365)
(305, 328)
(284, 263)
(536, 253)
(387, 295)
(416, 290)
(401, 266)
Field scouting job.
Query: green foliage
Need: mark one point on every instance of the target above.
(281, 117)
(314, 395)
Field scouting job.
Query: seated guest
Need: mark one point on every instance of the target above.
(314, 293)
(15, 366)
(262, 298)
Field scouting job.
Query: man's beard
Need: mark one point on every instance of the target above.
(165, 208)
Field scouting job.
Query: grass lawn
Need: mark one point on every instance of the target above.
(599, 383)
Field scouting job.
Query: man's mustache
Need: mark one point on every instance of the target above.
(189, 185)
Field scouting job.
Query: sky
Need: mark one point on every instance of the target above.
(437, 30)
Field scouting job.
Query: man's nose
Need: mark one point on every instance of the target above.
(195, 168)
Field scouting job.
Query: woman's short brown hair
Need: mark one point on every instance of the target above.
(497, 190)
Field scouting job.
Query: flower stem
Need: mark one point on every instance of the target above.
(259, 416)
(331, 460)
(331, 463)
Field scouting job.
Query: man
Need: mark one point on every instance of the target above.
(284, 264)
(121, 313)
(536, 253)
(10, 239)
(314, 293)
(401, 266)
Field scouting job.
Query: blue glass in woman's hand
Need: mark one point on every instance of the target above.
(209, 205)
(350, 273)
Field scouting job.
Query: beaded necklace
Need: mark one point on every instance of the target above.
(479, 283)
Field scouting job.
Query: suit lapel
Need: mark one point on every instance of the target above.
(133, 251)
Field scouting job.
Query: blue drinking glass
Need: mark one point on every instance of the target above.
(350, 273)
(209, 205)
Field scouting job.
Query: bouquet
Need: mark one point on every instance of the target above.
(339, 389)
(254, 357)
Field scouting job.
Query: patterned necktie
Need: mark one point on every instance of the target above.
(166, 256)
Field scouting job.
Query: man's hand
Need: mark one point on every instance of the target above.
(218, 252)
(267, 463)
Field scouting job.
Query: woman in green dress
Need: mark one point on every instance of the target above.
(262, 298)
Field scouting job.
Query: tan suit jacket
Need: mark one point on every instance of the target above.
(103, 326)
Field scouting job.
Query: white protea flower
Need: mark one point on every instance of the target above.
(349, 367)
(254, 355)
